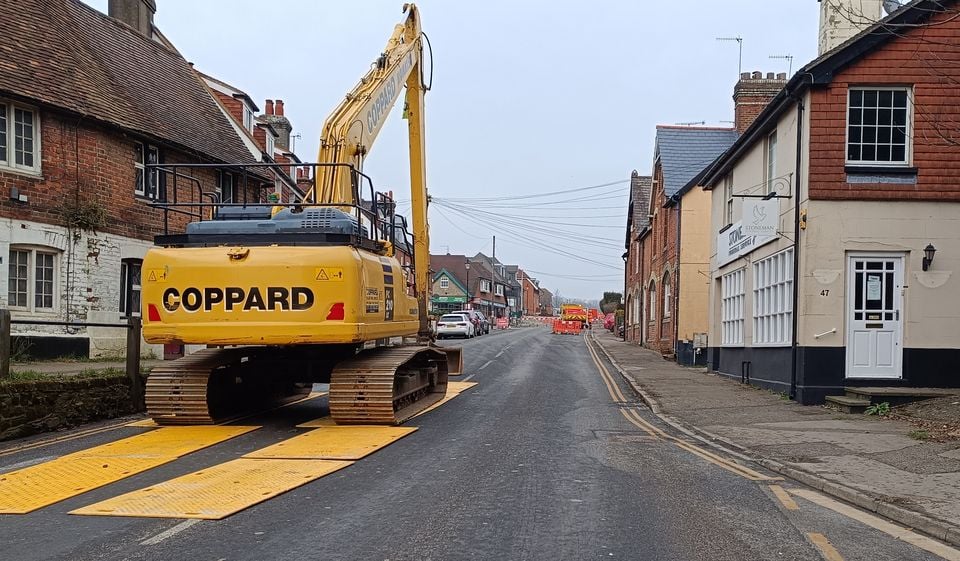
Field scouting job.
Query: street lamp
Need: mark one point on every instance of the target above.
(928, 253)
(467, 266)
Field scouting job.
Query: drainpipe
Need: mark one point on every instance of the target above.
(676, 288)
(796, 253)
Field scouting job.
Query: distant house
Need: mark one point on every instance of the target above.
(844, 275)
(638, 220)
(87, 100)
(493, 301)
(680, 153)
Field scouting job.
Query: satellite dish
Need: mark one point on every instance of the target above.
(891, 6)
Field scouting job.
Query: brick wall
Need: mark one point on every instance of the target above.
(660, 258)
(925, 58)
(86, 163)
(752, 94)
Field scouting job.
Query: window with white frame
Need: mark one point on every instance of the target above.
(878, 126)
(731, 308)
(667, 304)
(19, 137)
(652, 309)
(728, 198)
(247, 118)
(771, 161)
(484, 285)
(147, 184)
(130, 287)
(773, 299)
(444, 282)
(498, 290)
(271, 143)
(31, 279)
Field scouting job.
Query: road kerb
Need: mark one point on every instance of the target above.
(941, 530)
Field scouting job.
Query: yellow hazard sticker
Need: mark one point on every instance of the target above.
(329, 274)
(156, 275)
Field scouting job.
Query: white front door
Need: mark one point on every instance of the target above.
(874, 318)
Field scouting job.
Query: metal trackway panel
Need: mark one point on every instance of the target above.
(334, 443)
(165, 442)
(51, 482)
(42, 485)
(215, 492)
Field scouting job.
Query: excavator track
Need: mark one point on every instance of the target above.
(216, 385)
(387, 385)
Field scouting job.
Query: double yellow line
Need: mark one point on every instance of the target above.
(633, 416)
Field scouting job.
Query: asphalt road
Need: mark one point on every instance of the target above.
(537, 462)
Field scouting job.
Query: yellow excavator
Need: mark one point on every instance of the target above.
(284, 296)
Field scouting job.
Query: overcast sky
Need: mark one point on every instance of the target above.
(529, 96)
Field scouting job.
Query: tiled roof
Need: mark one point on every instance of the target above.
(685, 151)
(65, 54)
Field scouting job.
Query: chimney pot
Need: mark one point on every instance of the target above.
(782, 76)
(279, 108)
(769, 75)
(757, 75)
(269, 108)
(744, 75)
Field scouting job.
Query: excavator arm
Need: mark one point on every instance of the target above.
(352, 128)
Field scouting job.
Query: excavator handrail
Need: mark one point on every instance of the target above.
(378, 224)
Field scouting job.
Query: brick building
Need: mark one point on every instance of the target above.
(79, 119)
(680, 154)
(851, 282)
(530, 293)
(637, 255)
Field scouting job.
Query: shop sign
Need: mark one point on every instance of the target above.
(733, 242)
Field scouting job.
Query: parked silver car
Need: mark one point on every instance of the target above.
(455, 325)
(480, 323)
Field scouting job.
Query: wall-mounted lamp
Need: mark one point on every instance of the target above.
(928, 253)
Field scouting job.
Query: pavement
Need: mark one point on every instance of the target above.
(74, 367)
(869, 461)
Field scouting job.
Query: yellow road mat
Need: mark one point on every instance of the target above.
(453, 390)
(215, 492)
(334, 443)
(458, 387)
(165, 442)
(26, 490)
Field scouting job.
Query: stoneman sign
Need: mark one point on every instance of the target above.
(734, 242)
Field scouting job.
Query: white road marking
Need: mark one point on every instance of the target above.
(902, 534)
(28, 463)
(485, 365)
(171, 532)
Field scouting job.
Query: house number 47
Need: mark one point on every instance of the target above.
(825, 292)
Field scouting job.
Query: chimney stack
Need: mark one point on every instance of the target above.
(752, 94)
(275, 117)
(138, 14)
(842, 19)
